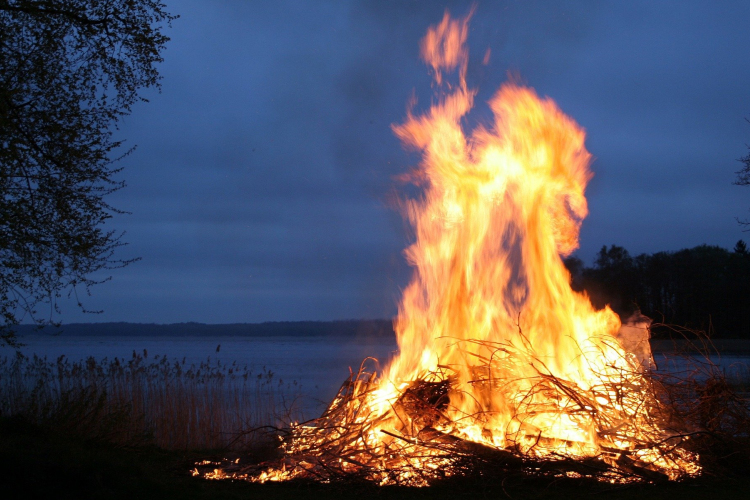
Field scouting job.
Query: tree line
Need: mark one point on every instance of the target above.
(351, 328)
(705, 288)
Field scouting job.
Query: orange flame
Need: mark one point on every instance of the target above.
(490, 291)
(490, 319)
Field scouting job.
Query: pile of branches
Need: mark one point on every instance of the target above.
(702, 396)
(350, 442)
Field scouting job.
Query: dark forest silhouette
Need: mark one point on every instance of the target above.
(704, 288)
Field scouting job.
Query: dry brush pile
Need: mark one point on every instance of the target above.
(690, 423)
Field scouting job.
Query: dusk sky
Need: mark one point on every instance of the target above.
(260, 187)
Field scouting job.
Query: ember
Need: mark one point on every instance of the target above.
(501, 365)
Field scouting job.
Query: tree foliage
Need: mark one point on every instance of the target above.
(743, 175)
(69, 71)
(704, 288)
(743, 179)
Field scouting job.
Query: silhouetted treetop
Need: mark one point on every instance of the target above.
(69, 70)
(743, 178)
(740, 248)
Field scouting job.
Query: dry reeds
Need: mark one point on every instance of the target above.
(703, 395)
(160, 401)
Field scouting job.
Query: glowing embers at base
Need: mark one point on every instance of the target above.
(501, 365)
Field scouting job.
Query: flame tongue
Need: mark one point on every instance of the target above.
(521, 360)
(490, 288)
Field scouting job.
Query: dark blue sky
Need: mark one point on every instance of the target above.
(259, 190)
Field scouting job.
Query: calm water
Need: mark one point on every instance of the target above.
(318, 364)
(734, 367)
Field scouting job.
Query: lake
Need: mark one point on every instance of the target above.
(319, 365)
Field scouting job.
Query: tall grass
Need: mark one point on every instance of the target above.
(165, 402)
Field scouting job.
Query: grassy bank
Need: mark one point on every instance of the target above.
(36, 462)
(135, 428)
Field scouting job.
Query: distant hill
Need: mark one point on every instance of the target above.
(344, 328)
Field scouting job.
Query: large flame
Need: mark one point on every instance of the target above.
(495, 348)
(500, 207)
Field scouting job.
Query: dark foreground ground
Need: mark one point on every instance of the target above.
(36, 463)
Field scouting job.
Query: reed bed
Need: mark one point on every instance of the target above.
(159, 401)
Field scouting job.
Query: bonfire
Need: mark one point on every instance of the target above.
(501, 365)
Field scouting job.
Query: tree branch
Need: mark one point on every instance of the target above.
(36, 10)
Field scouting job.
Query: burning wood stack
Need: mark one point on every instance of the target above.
(501, 365)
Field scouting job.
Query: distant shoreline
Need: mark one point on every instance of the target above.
(342, 328)
(722, 346)
(371, 328)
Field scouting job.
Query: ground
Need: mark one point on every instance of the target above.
(38, 463)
